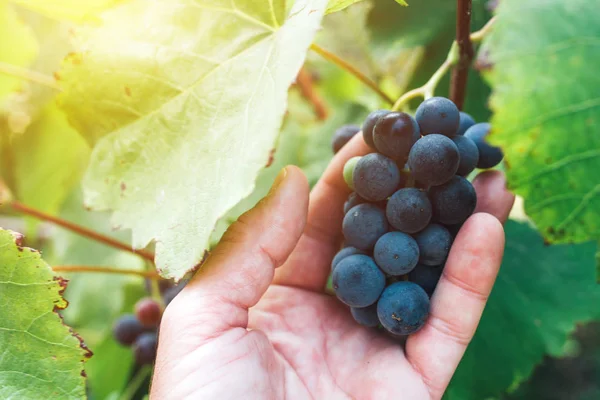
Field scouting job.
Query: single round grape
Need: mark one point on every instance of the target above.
(433, 160)
(466, 121)
(358, 281)
(376, 177)
(353, 200)
(349, 171)
(363, 225)
(434, 244)
(343, 253)
(127, 329)
(438, 115)
(489, 156)
(369, 124)
(144, 348)
(454, 201)
(403, 308)
(396, 253)
(468, 153)
(409, 210)
(366, 316)
(342, 136)
(394, 135)
(426, 276)
(148, 312)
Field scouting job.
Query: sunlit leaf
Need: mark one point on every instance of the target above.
(188, 103)
(41, 358)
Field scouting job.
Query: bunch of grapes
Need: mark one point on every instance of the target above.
(409, 200)
(140, 329)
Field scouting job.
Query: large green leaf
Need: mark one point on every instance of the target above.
(541, 293)
(188, 112)
(545, 102)
(41, 357)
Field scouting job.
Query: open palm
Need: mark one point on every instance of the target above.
(255, 322)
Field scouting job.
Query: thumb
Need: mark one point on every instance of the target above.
(241, 267)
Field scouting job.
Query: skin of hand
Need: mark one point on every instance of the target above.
(255, 323)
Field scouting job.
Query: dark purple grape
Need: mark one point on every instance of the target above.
(468, 153)
(394, 135)
(343, 253)
(144, 348)
(342, 136)
(369, 124)
(363, 225)
(366, 316)
(376, 177)
(409, 210)
(127, 329)
(396, 253)
(438, 115)
(357, 281)
(353, 200)
(403, 308)
(433, 160)
(489, 156)
(426, 276)
(454, 201)
(434, 244)
(466, 121)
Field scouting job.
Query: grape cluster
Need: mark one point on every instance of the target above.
(140, 329)
(410, 199)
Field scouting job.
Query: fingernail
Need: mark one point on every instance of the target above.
(278, 181)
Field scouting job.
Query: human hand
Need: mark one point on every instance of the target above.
(255, 323)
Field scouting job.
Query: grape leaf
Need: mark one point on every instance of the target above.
(41, 357)
(541, 293)
(74, 10)
(188, 112)
(42, 165)
(19, 51)
(545, 103)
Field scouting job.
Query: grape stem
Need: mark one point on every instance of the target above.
(305, 84)
(427, 90)
(80, 230)
(106, 270)
(460, 73)
(29, 75)
(343, 64)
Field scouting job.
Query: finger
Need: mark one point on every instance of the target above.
(308, 266)
(241, 267)
(492, 195)
(458, 302)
